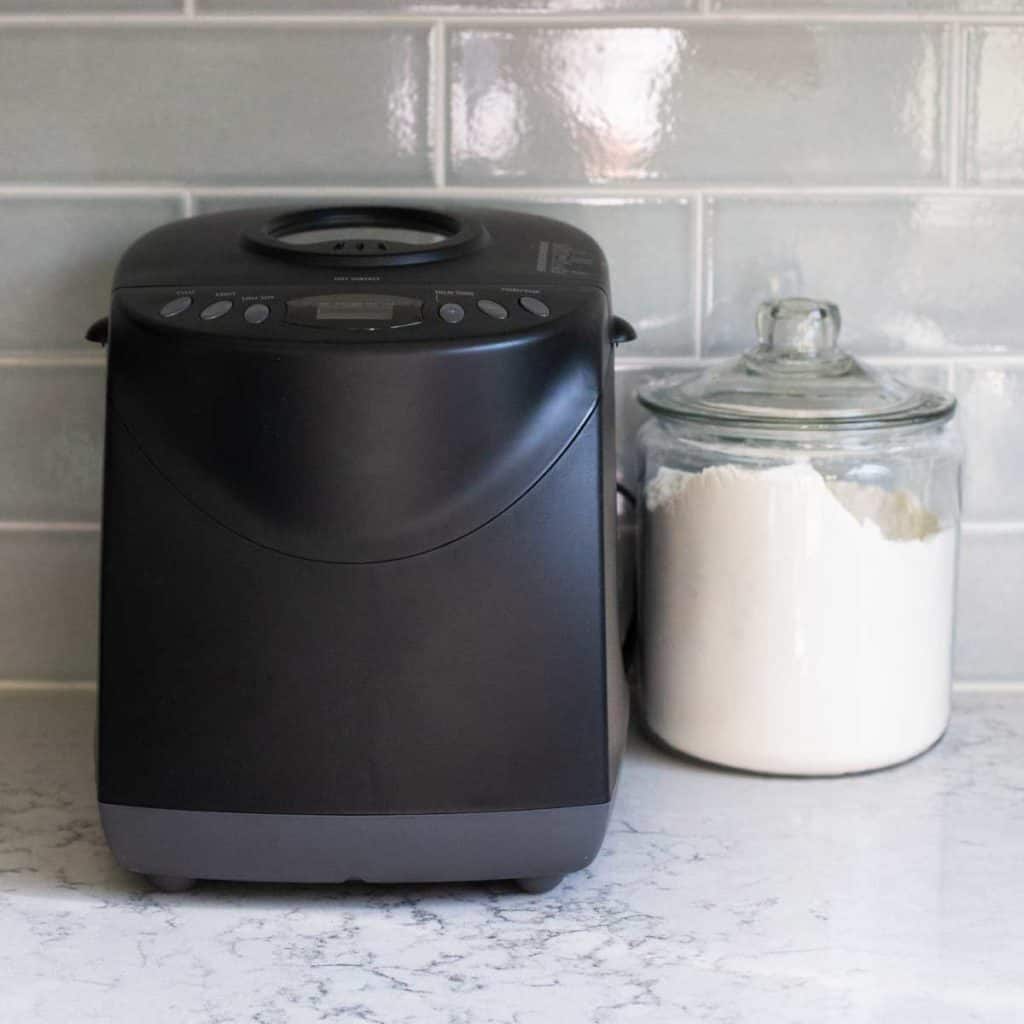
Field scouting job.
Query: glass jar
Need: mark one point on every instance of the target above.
(798, 545)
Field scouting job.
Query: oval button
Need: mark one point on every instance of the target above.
(256, 313)
(534, 305)
(492, 309)
(176, 306)
(451, 313)
(216, 309)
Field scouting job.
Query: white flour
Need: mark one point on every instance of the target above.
(794, 625)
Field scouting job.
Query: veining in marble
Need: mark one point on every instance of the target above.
(718, 897)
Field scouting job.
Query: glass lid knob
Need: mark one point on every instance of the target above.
(798, 335)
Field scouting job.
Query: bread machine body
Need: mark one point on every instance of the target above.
(358, 577)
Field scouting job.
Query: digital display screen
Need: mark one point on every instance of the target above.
(361, 307)
(355, 311)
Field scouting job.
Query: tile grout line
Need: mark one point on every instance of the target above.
(580, 191)
(987, 360)
(697, 257)
(188, 15)
(977, 526)
(1013, 687)
(439, 91)
(992, 360)
(954, 86)
(42, 526)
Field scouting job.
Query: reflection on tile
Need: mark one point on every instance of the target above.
(920, 276)
(630, 415)
(922, 375)
(649, 249)
(992, 419)
(58, 258)
(883, 6)
(648, 244)
(56, 475)
(451, 6)
(756, 103)
(49, 591)
(989, 641)
(227, 103)
(89, 6)
(995, 105)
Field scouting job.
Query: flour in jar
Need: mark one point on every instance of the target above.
(792, 624)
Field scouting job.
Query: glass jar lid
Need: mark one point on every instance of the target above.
(796, 378)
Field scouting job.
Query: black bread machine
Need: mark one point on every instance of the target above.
(358, 573)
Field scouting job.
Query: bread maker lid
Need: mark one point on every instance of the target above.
(366, 236)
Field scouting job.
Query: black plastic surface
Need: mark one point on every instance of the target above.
(364, 567)
(470, 678)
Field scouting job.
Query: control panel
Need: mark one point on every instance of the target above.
(356, 312)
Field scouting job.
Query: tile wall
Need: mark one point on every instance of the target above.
(723, 151)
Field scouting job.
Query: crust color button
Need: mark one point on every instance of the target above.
(534, 305)
(492, 309)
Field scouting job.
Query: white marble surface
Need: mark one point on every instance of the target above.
(719, 897)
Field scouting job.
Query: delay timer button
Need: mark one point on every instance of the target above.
(256, 313)
(492, 309)
(451, 313)
(216, 309)
(533, 305)
(176, 306)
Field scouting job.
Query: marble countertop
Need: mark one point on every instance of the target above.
(718, 897)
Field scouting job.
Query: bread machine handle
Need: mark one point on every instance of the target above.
(622, 331)
(99, 332)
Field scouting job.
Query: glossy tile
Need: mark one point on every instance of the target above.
(218, 103)
(994, 133)
(455, 7)
(713, 103)
(873, 6)
(992, 419)
(49, 591)
(649, 248)
(630, 415)
(915, 276)
(57, 258)
(989, 640)
(89, 6)
(648, 243)
(51, 440)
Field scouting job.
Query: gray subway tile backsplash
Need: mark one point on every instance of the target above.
(49, 595)
(262, 103)
(989, 640)
(994, 94)
(649, 249)
(910, 273)
(51, 429)
(812, 7)
(718, 160)
(992, 417)
(90, 6)
(451, 7)
(725, 103)
(57, 257)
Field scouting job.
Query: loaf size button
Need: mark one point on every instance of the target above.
(451, 313)
(256, 313)
(216, 309)
(492, 308)
(176, 306)
(533, 305)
